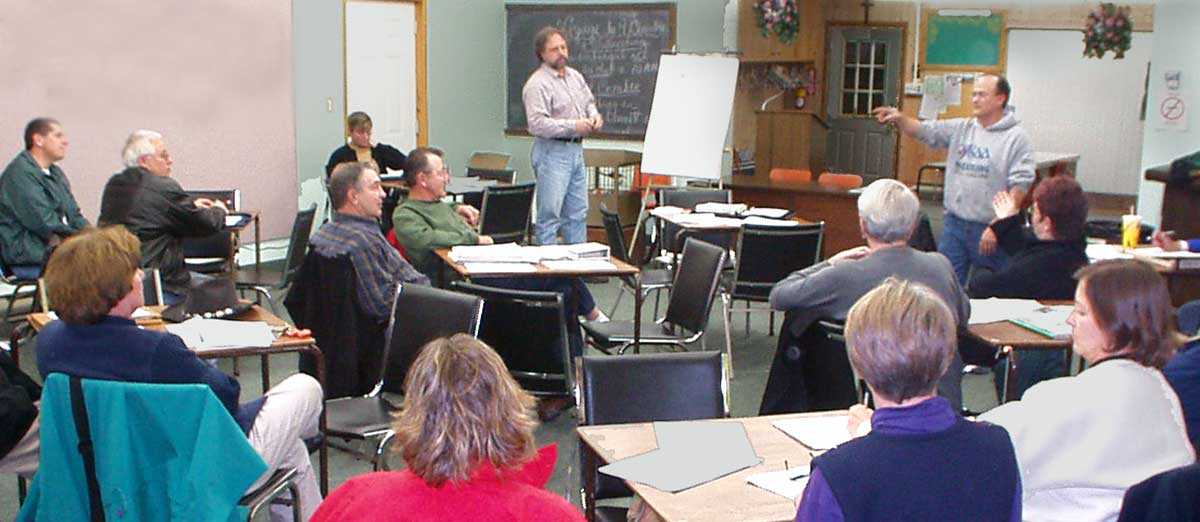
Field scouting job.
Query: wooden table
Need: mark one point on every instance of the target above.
(813, 202)
(1002, 334)
(256, 313)
(620, 268)
(727, 498)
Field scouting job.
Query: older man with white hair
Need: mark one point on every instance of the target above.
(155, 208)
(888, 213)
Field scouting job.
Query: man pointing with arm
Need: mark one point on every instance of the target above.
(989, 153)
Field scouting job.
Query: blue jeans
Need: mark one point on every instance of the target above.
(28, 272)
(562, 202)
(960, 244)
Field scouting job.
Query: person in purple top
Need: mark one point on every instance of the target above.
(919, 459)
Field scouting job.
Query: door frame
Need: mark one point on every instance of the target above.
(904, 67)
(420, 7)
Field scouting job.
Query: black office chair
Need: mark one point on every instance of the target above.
(673, 236)
(262, 281)
(694, 289)
(766, 255)
(529, 331)
(643, 388)
(420, 314)
(653, 279)
(215, 253)
(505, 212)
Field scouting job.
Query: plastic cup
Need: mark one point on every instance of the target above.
(1131, 230)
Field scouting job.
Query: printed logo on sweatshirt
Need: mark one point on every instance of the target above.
(973, 160)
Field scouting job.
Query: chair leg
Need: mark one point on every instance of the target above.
(747, 318)
(297, 509)
(725, 316)
(379, 461)
(620, 293)
(771, 323)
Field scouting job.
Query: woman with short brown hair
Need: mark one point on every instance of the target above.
(1083, 440)
(466, 433)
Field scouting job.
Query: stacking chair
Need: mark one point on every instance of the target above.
(835, 334)
(20, 288)
(689, 198)
(504, 213)
(653, 279)
(491, 165)
(845, 181)
(643, 388)
(694, 288)
(766, 255)
(529, 331)
(175, 430)
(263, 282)
(215, 253)
(420, 314)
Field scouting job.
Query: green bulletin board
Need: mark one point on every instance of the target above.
(964, 43)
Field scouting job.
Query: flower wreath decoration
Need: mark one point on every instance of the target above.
(1107, 28)
(778, 16)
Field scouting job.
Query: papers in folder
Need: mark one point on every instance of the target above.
(201, 334)
(1050, 321)
(818, 433)
(689, 453)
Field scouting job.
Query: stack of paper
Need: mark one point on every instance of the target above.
(484, 267)
(818, 433)
(789, 483)
(721, 208)
(1181, 259)
(666, 211)
(997, 309)
(1102, 252)
(762, 221)
(502, 253)
(698, 220)
(206, 334)
(768, 212)
(689, 453)
(586, 264)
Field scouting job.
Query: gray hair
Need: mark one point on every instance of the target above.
(140, 143)
(889, 210)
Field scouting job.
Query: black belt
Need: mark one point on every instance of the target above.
(569, 140)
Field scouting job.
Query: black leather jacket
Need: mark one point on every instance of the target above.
(160, 214)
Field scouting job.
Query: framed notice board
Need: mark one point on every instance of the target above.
(963, 43)
(615, 46)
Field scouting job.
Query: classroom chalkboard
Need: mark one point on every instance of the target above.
(964, 42)
(615, 46)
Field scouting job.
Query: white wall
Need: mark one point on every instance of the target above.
(1084, 106)
(1176, 47)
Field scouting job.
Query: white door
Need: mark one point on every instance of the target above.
(381, 68)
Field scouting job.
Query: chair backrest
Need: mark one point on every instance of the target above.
(298, 245)
(506, 211)
(614, 234)
(689, 198)
(832, 383)
(649, 387)
(695, 285)
(767, 254)
(529, 331)
(168, 435)
(421, 314)
(846, 181)
(790, 175)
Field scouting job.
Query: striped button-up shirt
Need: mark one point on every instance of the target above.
(378, 267)
(553, 102)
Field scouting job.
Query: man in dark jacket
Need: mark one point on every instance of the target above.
(155, 208)
(18, 419)
(37, 209)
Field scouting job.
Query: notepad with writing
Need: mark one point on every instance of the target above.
(789, 483)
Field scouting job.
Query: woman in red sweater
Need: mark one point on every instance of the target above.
(466, 433)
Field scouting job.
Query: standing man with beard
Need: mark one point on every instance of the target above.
(989, 153)
(561, 111)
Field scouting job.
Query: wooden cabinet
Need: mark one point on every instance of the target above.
(789, 139)
(809, 45)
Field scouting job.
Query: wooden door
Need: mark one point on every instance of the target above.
(863, 72)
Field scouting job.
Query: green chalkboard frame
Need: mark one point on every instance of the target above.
(668, 7)
(997, 44)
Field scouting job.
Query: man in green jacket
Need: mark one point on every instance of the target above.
(37, 209)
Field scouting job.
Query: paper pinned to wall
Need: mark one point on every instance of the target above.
(933, 100)
(953, 89)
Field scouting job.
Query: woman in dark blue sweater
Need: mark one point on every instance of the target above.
(920, 460)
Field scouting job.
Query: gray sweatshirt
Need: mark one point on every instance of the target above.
(982, 162)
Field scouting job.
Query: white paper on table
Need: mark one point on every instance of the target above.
(762, 221)
(201, 334)
(1048, 320)
(504, 252)
(484, 267)
(713, 207)
(1163, 254)
(233, 219)
(666, 211)
(818, 433)
(143, 313)
(1102, 252)
(768, 212)
(698, 220)
(580, 265)
(996, 309)
(788, 483)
